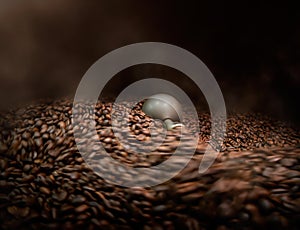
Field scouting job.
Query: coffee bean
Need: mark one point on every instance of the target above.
(18, 212)
(160, 208)
(78, 199)
(265, 206)
(81, 208)
(26, 168)
(288, 162)
(225, 210)
(45, 190)
(3, 148)
(53, 153)
(163, 148)
(60, 196)
(257, 192)
(225, 185)
(44, 128)
(28, 178)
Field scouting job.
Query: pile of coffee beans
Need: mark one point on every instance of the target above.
(46, 183)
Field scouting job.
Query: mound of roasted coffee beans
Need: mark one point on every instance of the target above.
(45, 183)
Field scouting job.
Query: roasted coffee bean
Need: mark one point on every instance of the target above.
(81, 208)
(45, 190)
(60, 196)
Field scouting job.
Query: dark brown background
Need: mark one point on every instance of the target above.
(252, 49)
